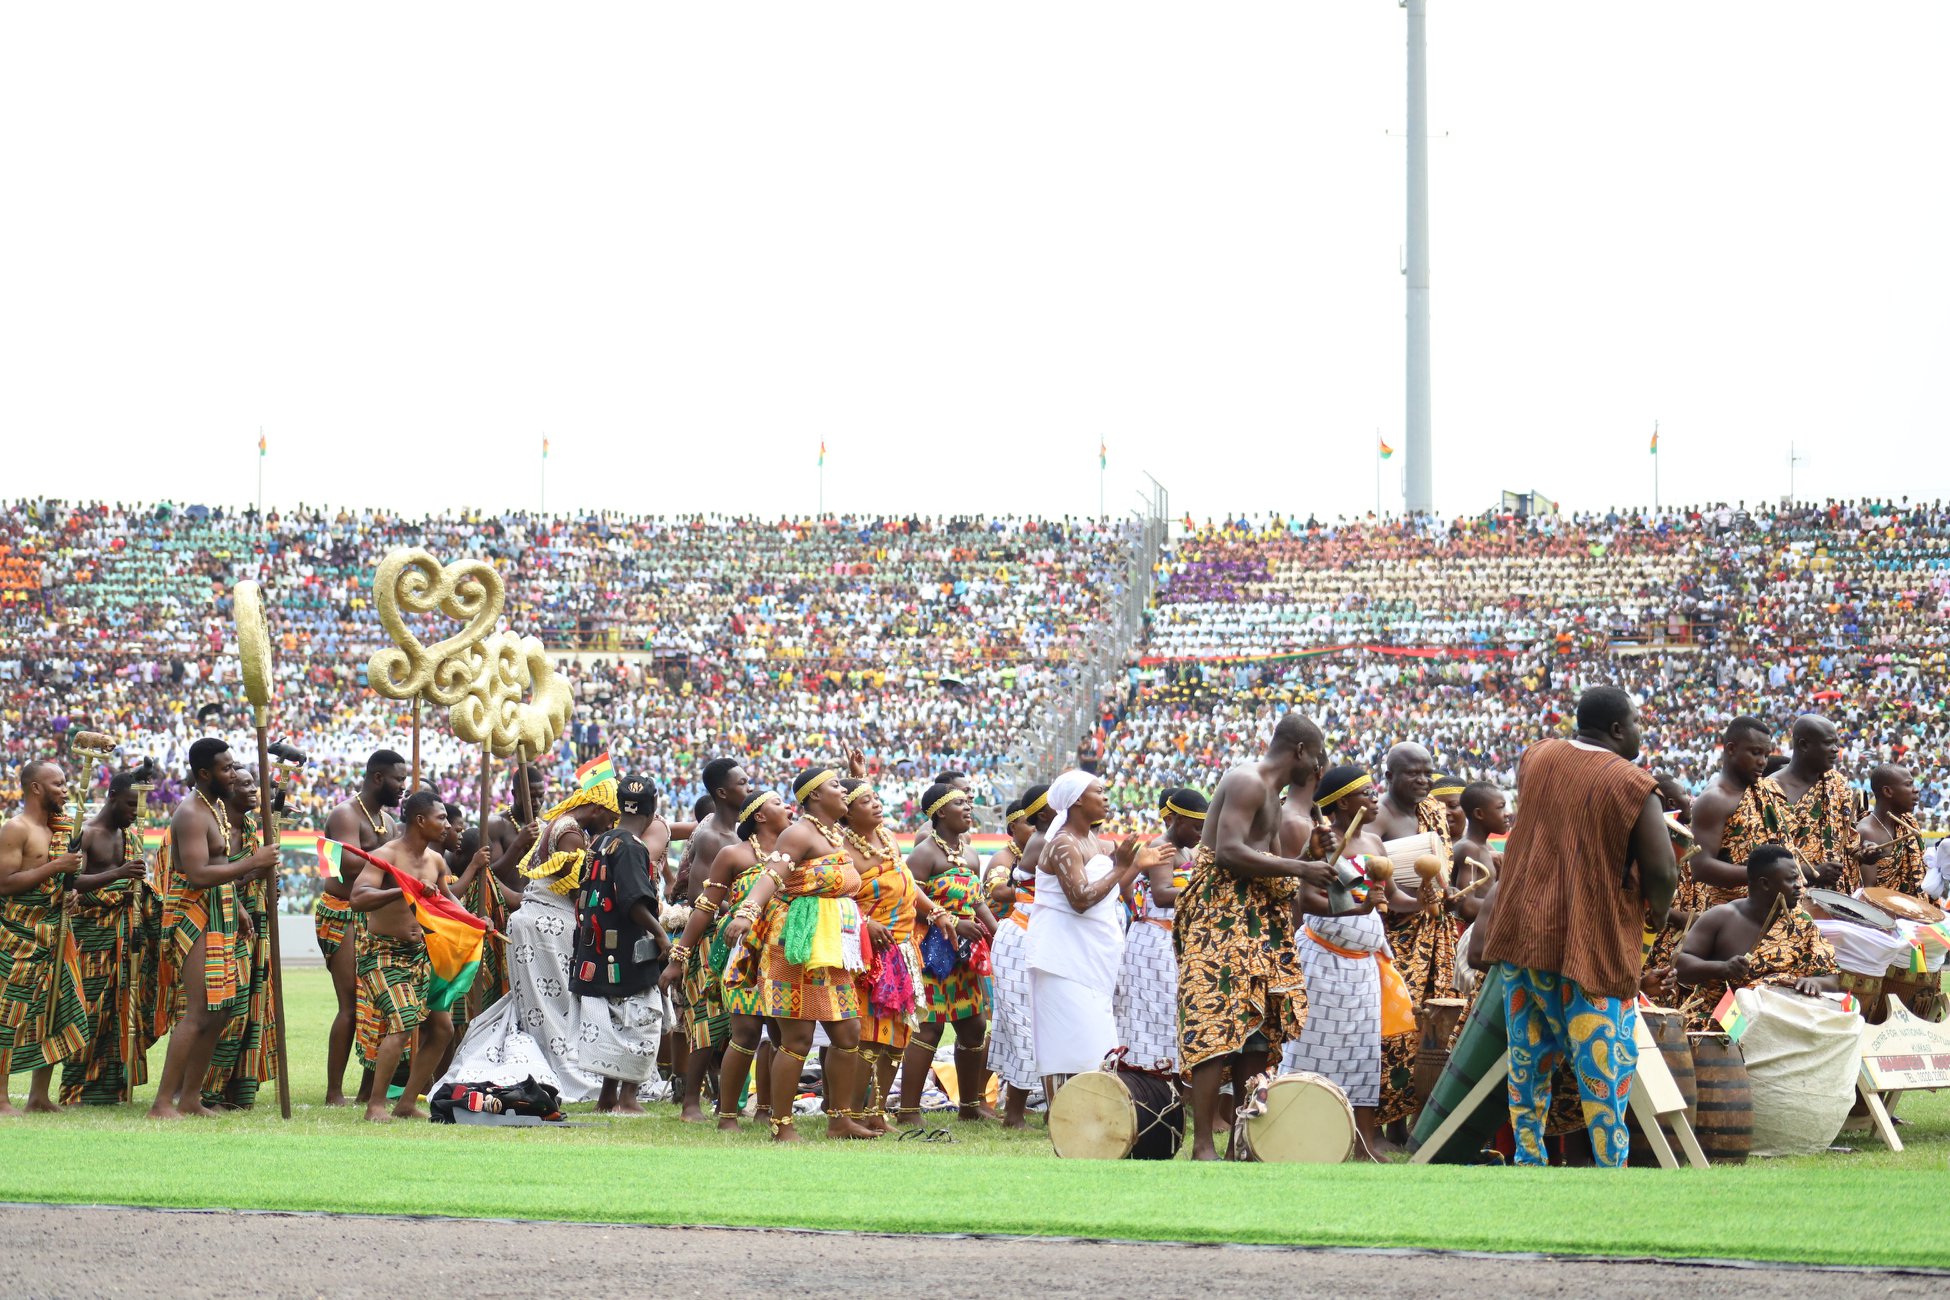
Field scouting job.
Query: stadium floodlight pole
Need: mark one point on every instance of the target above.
(1420, 469)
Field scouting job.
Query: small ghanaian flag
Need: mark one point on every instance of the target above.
(1655, 442)
(1731, 1018)
(545, 449)
(596, 771)
(822, 451)
(331, 858)
(1386, 450)
(260, 444)
(1103, 454)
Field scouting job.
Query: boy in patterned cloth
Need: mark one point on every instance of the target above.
(1147, 985)
(393, 968)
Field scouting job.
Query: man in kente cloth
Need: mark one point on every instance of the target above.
(206, 933)
(1587, 870)
(1740, 810)
(619, 950)
(245, 1058)
(1240, 991)
(1823, 807)
(394, 971)
(707, 1026)
(43, 1017)
(1420, 931)
(1761, 939)
(1891, 851)
(363, 822)
(117, 926)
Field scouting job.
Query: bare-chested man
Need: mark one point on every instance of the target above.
(706, 1025)
(1240, 992)
(1891, 851)
(1419, 928)
(115, 927)
(1410, 775)
(393, 968)
(1740, 810)
(206, 931)
(363, 822)
(32, 973)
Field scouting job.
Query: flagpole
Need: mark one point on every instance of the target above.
(260, 471)
(1655, 467)
(1377, 475)
(544, 507)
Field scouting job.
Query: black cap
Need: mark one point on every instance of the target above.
(636, 796)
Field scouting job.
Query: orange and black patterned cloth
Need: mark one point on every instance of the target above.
(1762, 817)
(1823, 827)
(1238, 974)
(1424, 944)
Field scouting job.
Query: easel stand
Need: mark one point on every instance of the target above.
(1902, 1054)
(1654, 1100)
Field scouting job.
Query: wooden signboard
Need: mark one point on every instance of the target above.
(1902, 1054)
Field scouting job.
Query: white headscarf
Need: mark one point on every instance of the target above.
(1064, 792)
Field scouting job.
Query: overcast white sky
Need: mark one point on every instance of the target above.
(961, 243)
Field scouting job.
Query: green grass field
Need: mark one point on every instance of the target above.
(1839, 1209)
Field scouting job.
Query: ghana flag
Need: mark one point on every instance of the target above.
(596, 771)
(331, 857)
(455, 936)
(1731, 1018)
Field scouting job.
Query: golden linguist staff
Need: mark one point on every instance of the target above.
(254, 650)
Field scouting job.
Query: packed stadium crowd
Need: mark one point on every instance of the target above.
(925, 643)
(1471, 635)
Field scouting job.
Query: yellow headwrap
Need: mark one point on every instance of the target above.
(941, 803)
(563, 871)
(745, 814)
(1171, 805)
(1360, 782)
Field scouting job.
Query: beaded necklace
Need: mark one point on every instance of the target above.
(834, 836)
(223, 822)
(957, 856)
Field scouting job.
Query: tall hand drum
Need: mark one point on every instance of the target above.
(1307, 1120)
(1117, 1115)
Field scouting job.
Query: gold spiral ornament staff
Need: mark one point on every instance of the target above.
(254, 652)
(410, 580)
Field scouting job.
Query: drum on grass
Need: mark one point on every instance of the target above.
(1723, 1116)
(1117, 1115)
(1307, 1121)
(1668, 1030)
(1438, 1025)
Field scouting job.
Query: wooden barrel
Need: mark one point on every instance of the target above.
(1723, 1117)
(1437, 1026)
(1668, 1030)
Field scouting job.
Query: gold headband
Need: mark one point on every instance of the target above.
(856, 792)
(755, 805)
(1018, 815)
(1037, 804)
(1436, 791)
(1171, 805)
(1360, 782)
(813, 784)
(941, 803)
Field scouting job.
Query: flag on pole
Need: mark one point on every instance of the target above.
(1655, 440)
(260, 445)
(1103, 454)
(331, 857)
(822, 451)
(1386, 450)
(596, 771)
(1731, 1017)
(545, 449)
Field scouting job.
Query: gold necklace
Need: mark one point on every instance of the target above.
(223, 822)
(957, 857)
(377, 829)
(834, 836)
(888, 847)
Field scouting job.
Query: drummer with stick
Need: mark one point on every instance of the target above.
(43, 1019)
(1762, 939)
(1891, 851)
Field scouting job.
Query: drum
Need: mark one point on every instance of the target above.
(1437, 1026)
(1668, 1030)
(1827, 905)
(1903, 905)
(1480, 1043)
(1307, 1121)
(1867, 990)
(1723, 1116)
(1920, 994)
(1117, 1115)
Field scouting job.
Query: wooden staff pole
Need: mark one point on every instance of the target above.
(416, 746)
(267, 817)
(490, 888)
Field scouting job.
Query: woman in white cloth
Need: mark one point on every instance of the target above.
(536, 1028)
(1076, 941)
